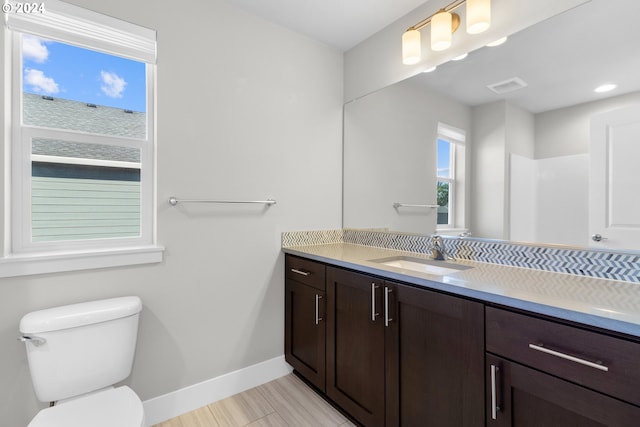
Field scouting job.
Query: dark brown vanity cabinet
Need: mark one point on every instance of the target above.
(434, 359)
(305, 325)
(543, 373)
(392, 354)
(397, 355)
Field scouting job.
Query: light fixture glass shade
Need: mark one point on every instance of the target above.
(411, 47)
(441, 31)
(478, 16)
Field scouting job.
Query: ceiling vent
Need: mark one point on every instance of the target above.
(508, 85)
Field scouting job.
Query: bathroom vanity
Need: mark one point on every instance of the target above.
(480, 345)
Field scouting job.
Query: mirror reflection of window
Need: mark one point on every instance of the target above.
(445, 168)
(449, 141)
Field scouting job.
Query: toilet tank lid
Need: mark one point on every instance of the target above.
(81, 314)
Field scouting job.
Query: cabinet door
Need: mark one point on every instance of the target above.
(355, 345)
(305, 331)
(435, 359)
(523, 397)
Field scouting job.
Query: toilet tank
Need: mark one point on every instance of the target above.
(79, 348)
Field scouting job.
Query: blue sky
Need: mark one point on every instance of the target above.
(64, 71)
(444, 158)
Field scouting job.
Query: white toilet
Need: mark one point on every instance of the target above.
(76, 354)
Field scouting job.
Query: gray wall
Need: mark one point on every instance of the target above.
(499, 129)
(488, 170)
(245, 109)
(520, 131)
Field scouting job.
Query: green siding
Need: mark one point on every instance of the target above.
(74, 209)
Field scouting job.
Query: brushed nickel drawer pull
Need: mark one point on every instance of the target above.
(387, 319)
(542, 348)
(373, 302)
(318, 318)
(494, 394)
(304, 273)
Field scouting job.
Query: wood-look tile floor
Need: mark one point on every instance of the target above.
(285, 402)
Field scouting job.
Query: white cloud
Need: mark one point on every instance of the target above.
(113, 85)
(33, 48)
(39, 82)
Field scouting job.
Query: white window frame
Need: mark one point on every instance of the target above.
(73, 25)
(456, 138)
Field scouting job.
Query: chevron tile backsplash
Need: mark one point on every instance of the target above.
(604, 265)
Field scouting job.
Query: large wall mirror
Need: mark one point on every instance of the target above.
(519, 129)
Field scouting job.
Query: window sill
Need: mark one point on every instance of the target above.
(451, 232)
(42, 263)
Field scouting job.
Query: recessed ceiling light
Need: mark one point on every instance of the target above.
(461, 57)
(605, 88)
(497, 42)
(428, 70)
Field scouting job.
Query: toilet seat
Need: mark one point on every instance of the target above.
(113, 407)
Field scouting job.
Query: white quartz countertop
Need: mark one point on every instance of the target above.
(608, 304)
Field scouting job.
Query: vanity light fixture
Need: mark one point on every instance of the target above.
(430, 70)
(461, 57)
(443, 24)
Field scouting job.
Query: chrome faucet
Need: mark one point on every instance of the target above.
(437, 248)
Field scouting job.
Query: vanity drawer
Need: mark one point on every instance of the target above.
(597, 361)
(305, 271)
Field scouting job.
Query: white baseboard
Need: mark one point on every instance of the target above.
(162, 408)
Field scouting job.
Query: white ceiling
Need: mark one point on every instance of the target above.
(338, 23)
(561, 59)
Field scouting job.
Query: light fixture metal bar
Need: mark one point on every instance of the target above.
(426, 21)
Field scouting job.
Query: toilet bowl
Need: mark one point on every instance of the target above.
(76, 354)
(115, 407)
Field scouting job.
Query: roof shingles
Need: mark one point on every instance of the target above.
(73, 115)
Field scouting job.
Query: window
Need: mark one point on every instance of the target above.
(82, 137)
(450, 173)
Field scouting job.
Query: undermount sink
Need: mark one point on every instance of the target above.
(421, 265)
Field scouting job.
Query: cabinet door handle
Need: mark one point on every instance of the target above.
(494, 393)
(318, 318)
(373, 302)
(304, 273)
(387, 319)
(595, 365)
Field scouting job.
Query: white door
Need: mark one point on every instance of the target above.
(614, 180)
